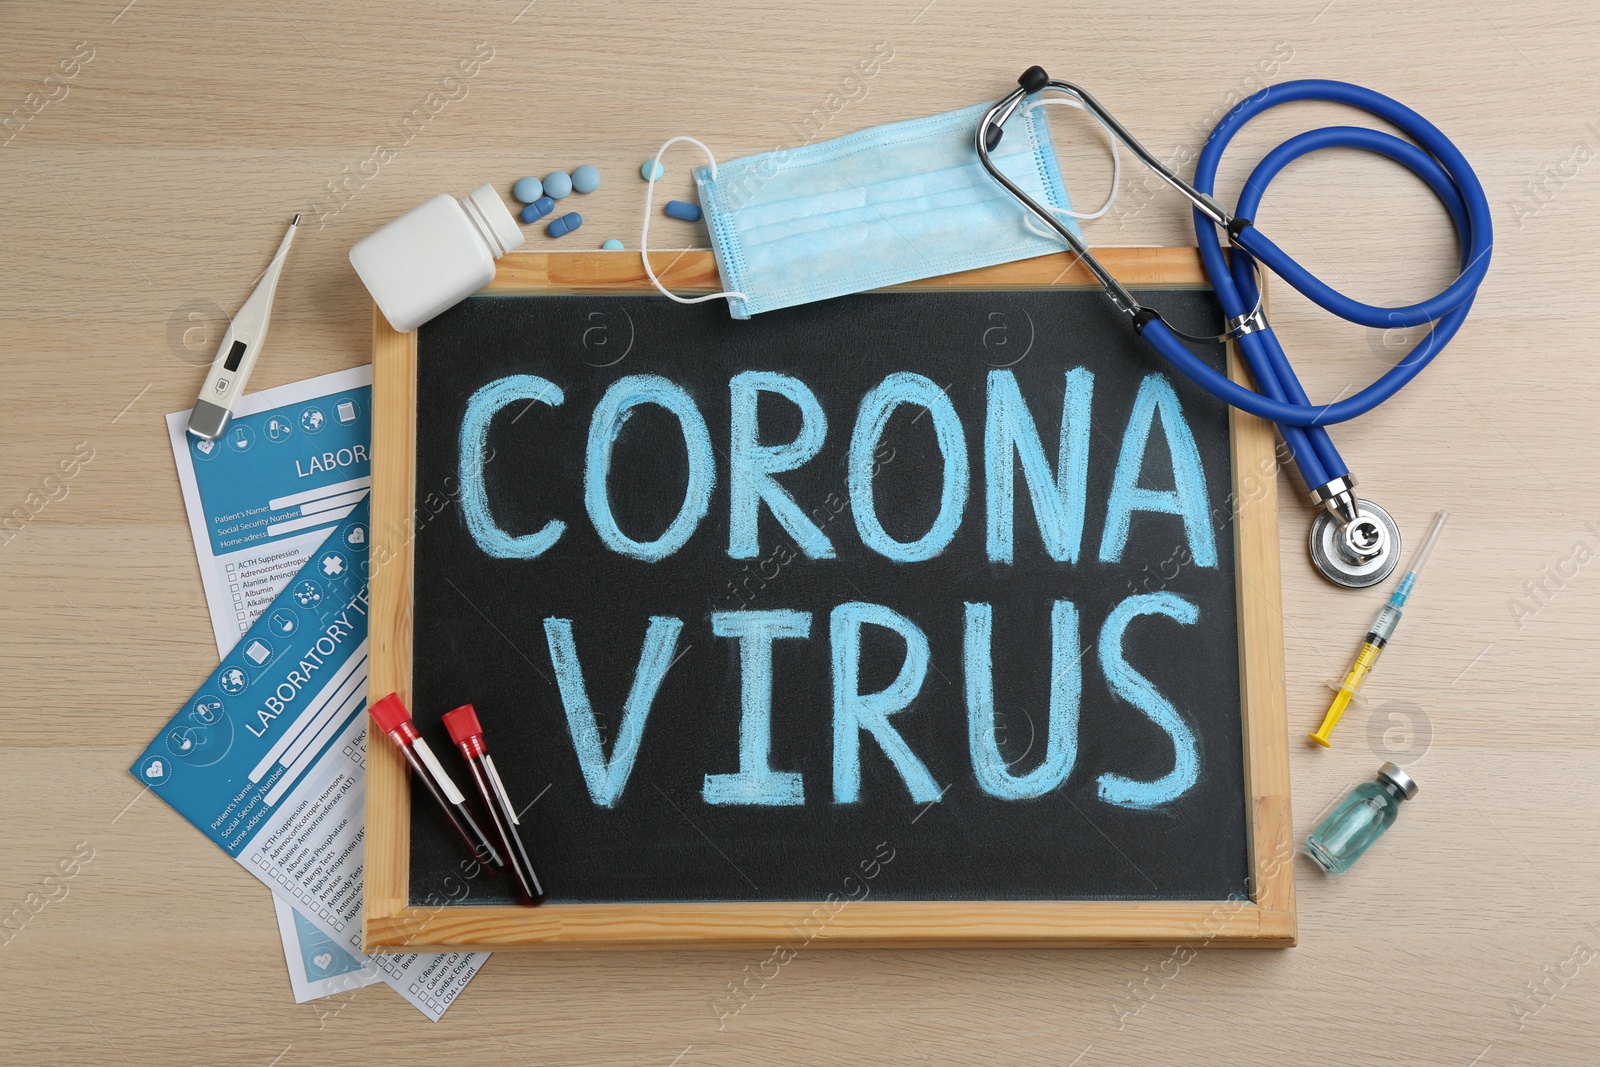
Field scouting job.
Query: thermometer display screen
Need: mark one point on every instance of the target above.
(235, 354)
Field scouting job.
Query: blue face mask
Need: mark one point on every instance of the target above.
(877, 207)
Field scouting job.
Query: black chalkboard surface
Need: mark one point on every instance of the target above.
(1143, 797)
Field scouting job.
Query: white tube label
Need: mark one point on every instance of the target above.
(437, 770)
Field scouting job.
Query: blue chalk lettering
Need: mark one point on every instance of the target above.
(855, 711)
(1136, 689)
(613, 410)
(871, 420)
(1066, 690)
(1058, 503)
(1187, 498)
(606, 778)
(751, 465)
(481, 410)
(756, 782)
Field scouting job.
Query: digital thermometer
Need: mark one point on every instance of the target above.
(236, 356)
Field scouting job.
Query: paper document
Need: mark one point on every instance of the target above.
(268, 759)
(238, 500)
(261, 498)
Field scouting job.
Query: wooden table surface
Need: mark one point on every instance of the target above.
(141, 192)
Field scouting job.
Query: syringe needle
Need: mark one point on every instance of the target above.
(1410, 579)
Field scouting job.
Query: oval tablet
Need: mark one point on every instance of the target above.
(586, 179)
(538, 209)
(680, 210)
(557, 184)
(565, 224)
(613, 245)
(527, 190)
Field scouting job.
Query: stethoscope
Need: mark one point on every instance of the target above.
(1354, 542)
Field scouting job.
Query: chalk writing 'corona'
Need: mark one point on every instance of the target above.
(1011, 434)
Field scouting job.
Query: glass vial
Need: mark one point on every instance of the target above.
(435, 255)
(1358, 820)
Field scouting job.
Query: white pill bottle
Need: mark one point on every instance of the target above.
(435, 255)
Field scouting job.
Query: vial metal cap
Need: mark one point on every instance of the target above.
(1399, 778)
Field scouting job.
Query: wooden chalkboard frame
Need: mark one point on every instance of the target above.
(1266, 919)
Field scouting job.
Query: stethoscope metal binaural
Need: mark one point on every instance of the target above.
(1354, 542)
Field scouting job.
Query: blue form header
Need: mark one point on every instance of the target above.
(309, 462)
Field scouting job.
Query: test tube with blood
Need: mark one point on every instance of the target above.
(467, 733)
(393, 719)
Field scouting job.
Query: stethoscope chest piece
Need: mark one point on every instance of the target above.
(1356, 554)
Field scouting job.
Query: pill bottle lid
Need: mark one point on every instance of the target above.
(1400, 779)
(490, 215)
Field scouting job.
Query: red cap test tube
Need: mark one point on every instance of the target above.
(467, 733)
(393, 719)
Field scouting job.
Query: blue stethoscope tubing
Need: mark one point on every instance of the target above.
(1280, 397)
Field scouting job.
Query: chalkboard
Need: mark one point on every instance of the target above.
(929, 595)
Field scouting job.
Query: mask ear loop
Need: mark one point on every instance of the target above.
(644, 233)
(1116, 170)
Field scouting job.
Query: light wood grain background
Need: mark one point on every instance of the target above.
(155, 187)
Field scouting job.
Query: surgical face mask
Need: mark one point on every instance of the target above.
(877, 207)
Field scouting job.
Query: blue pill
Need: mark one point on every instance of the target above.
(537, 210)
(527, 190)
(557, 184)
(585, 179)
(565, 224)
(679, 210)
(651, 170)
(612, 245)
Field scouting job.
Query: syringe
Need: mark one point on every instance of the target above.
(1378, 635)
